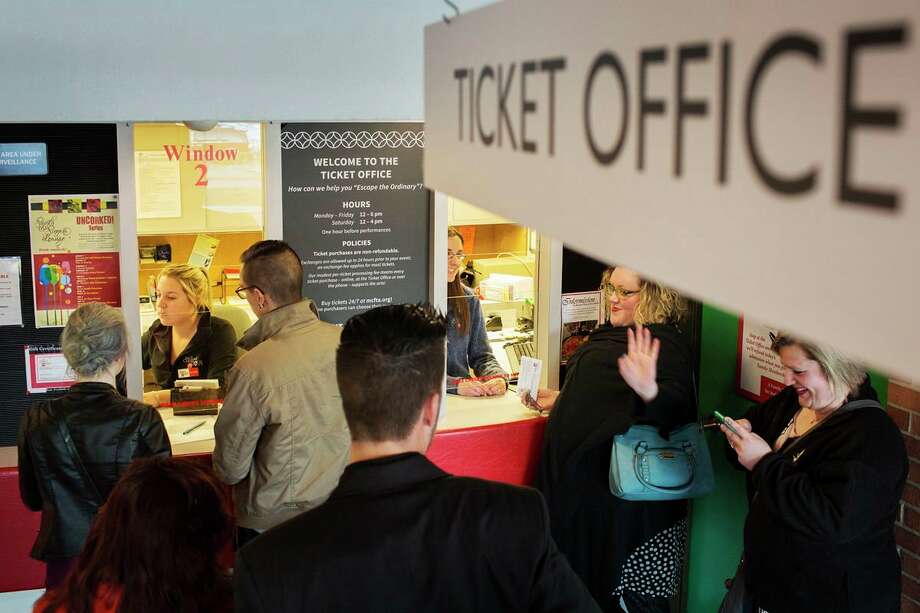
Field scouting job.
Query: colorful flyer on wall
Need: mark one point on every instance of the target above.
(74, 254)
(47, 369)
(760, 373)
(10, 297)
(581, 312)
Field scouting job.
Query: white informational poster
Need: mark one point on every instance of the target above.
(760, 372)
(761, 156)
(10, 295)
(581, 306)
(46, 369)
(581, 313)
(158, 188)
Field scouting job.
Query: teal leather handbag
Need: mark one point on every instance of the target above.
(644, 465)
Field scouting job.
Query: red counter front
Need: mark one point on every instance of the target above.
(506, 452)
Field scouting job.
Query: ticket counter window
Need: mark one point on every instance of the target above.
(200, 201)
(495, 263)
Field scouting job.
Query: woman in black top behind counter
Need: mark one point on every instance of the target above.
(186, 342)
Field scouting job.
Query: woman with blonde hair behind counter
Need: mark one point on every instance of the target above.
(186, 342)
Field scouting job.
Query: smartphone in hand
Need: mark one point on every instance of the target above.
(721, 419)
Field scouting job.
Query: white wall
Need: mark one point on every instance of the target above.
(126, 60)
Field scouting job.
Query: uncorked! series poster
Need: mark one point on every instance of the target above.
(74, 254)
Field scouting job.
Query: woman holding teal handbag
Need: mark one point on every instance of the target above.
(628, 553)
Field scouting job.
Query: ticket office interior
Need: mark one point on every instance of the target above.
(203, 196)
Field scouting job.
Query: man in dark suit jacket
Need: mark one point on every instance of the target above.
(399, 534)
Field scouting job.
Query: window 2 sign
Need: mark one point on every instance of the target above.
(209, 153)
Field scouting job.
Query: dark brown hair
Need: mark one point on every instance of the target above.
(389, 361)
(275, 268)
(458, 304)
(155, 542)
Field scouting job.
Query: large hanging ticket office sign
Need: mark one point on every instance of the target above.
(761, 156)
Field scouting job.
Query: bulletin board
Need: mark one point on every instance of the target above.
(82, 159)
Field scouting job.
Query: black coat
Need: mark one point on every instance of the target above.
(108, 431)
(399, 534)
(820, 532)
(595, 530)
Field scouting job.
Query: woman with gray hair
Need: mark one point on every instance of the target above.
(826, 468)
(72, 449)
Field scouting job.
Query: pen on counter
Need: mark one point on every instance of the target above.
(195, 427)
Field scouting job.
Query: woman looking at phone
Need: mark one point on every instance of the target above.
(826, 466)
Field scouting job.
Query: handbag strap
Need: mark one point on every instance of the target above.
(64, 431)
(664, 432)
(847, 408)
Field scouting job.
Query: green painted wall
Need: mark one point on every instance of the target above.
(718, 519)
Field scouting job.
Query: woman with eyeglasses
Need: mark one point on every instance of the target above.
(634, 368)
(826, 466)
(186, 342)
(467, 342)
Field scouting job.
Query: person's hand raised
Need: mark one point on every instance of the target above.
(639, 365)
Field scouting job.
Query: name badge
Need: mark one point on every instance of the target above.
(187, 373)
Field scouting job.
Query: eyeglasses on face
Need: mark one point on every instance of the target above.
(459, 255)
(620, 292)
(241, 291)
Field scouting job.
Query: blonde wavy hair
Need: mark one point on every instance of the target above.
(658, 304)
(194, 282)
(843, 374)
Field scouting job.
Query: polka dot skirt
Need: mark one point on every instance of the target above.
(654, 568)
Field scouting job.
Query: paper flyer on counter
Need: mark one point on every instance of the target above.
(46, 369)
(759, 370)
(10, 296)
(74, 254)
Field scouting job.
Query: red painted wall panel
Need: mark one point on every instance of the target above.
(503, 452)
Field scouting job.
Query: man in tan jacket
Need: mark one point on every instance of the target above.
(281, 438)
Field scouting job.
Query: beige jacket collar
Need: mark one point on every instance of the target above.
(290, 316)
